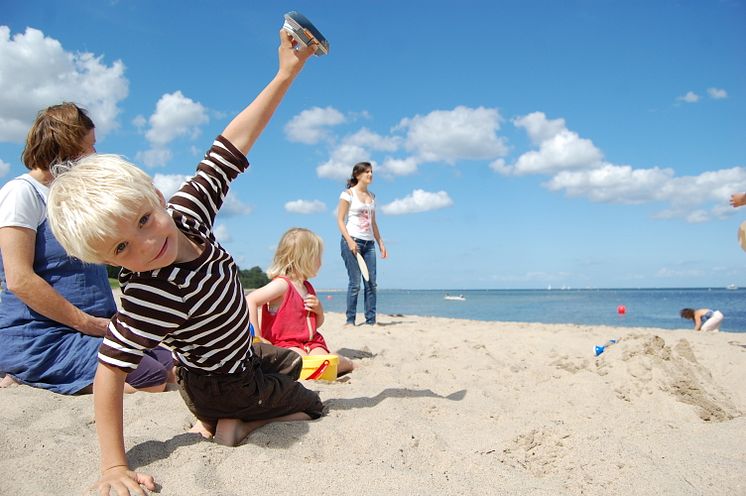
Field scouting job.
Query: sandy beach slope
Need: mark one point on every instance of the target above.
(438, 406)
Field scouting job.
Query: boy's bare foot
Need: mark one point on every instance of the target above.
(230, 432)
(8, 381)
(202, 429)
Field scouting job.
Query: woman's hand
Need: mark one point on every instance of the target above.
(352, 246)
(94, 326)
(384, 253)
(737, 200)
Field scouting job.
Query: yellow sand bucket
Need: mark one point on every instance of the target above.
(320, 367)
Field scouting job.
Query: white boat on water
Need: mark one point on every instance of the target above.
(731, 286)
(454, 297)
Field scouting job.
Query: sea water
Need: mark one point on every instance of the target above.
(643, 307)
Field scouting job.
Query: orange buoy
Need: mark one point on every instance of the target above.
(621, 309)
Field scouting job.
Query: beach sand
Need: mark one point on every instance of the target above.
(437, 406)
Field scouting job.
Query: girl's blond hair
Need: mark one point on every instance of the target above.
(298, 255)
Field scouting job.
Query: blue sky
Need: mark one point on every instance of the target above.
(516, 144)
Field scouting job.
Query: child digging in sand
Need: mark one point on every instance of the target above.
(290, 311)
(180, 288)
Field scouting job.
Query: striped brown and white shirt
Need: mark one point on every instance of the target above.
(197, 309)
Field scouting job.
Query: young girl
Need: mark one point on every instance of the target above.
(290, 311)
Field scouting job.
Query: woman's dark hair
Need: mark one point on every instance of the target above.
(358, 169)
(56, 136)
(687, 313)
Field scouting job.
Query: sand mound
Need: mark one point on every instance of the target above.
(640, 365)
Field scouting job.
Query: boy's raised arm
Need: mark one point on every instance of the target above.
(246, 127)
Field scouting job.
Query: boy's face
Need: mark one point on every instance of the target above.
(146, 240)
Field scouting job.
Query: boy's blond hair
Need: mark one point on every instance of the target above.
(87, 200)
(298, 254)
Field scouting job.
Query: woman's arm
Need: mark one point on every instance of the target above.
(17, 245)
(737, 200)
(698, 318)
(268, 293)
(342, 209)
(377, 236)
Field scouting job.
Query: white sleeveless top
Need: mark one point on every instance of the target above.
(359, 216)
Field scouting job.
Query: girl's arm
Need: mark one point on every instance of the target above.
(377, 235)
(268, 293)
(313, 304)
(17, 245)
(246, 127)
(342, 209)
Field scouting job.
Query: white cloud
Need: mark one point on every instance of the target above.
(4, 167)
(704, 197)
(233, 206)
(451, 135)
(37, 72)
(310, 126)
(305, 206)
(539, 128)
(613, 183)
(339, 165)
(168, 184)
(139, 122)
(717, 93)
(577, 167)
(368, 139)
(355, 148)
(418, 201)
(222, 233)
(690, 97)
(559, 148)
(399, 166)
(175, 116)
(501, 166)
(155, 157)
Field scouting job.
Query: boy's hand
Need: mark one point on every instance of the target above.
(738, 199)
(292, 60)
(123, 481)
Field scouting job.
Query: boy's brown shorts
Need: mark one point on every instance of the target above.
(268, 388)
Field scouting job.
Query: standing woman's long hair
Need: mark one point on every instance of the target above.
(358, 169)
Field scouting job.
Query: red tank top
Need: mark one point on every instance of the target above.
(292, 322)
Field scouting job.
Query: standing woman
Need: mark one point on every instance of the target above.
(54, 309)
(356, 219)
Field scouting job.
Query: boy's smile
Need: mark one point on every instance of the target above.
(147, 240)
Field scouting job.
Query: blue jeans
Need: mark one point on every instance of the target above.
(368, 250)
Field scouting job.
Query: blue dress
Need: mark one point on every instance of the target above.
(41, 352)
